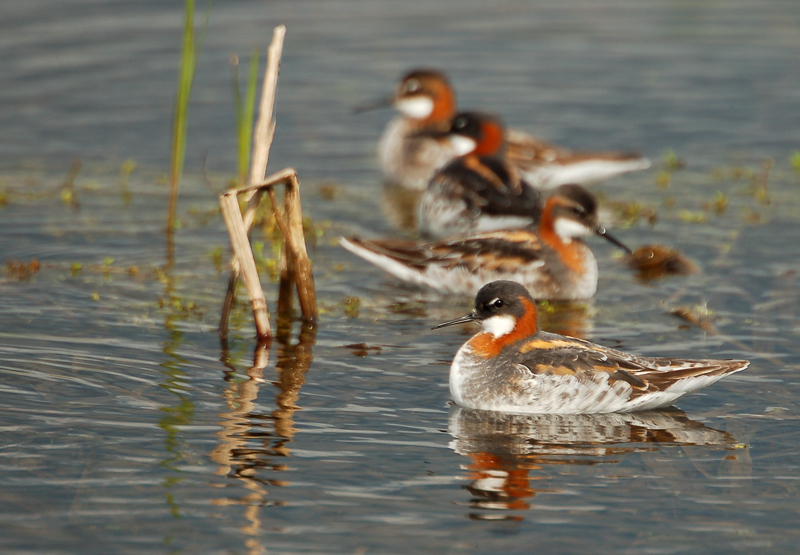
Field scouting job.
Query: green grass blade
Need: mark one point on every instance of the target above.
(179, 121)
(246, 130)
(237, 101)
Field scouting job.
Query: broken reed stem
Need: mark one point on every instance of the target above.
(297, 255)
(286, 288)
(276, 212)
(290, 222)
(264, 130)
(265, 126)
(287, 275)
(262, 141)
(229, 203)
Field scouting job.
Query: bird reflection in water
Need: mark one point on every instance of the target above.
(400, 206)
(572, 318)
(506, 450)
(254, 445)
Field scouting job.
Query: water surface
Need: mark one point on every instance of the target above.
(129, 428)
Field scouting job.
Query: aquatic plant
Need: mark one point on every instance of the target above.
(244, 112)
(189, 54)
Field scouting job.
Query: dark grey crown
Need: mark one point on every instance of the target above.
(582, 202)
(499, 298)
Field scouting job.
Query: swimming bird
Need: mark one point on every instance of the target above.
(552, 261)
(512, 366)
(426, 100)
(480, 190)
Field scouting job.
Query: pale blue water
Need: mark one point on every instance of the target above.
(126, 428)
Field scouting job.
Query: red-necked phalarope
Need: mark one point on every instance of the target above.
(480, 190)
(554, 263)
(426, 100)
(512, 366)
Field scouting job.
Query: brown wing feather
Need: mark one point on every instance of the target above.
(527, 152)
(526, 148)
(523, 150)
(407, 252)
(554, 354)
(504, 250)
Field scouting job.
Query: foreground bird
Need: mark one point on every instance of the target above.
(427, 101)
(511, 366)
(480, 190)
(553, 261)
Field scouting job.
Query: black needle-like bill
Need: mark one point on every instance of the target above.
(602, 232)
(374, 105)
(471, 317)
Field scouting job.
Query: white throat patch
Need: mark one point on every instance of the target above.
(568, 229)
(419, 107)
(499, 326)
(462, 145)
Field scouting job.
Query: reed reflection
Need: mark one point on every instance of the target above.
(254, 445)
(507, 450)
(179, 414)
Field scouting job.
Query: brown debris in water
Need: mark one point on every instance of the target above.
(693, 318)
(362, 349)
(22, 271)
(658, 261)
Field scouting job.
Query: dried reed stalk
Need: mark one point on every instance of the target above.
(243, 251)
(265, 126)
(290, 223)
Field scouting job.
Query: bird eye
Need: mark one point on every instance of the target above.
(497, 303)
(412, 85)
(460, 123)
